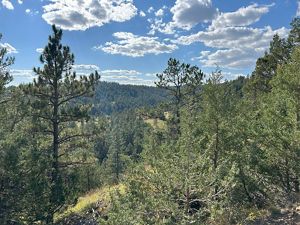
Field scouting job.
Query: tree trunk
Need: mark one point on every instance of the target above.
(56, 185)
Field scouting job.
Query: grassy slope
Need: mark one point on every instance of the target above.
(91, 200)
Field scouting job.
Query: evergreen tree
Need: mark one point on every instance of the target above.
(286, 114)
(266, 66)
(180, 80)
(53, 94)
(216, 110)
(278, 54)
(5, 63)
(294, 35)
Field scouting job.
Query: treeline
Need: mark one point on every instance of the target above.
(225, 151)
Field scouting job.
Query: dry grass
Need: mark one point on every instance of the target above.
(91, 199)
(156, 123)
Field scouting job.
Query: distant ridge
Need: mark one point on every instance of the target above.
(112, 98)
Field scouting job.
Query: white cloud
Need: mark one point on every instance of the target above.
(131, 80)
(31, 12)
(298, 9)
(234, 43)
(85, 69)
(235, 58)
(120, 73)
(29, 74)
(132, 45)
(114, 75)
(21, 76)
(203, 55)
(234, 36)
(81, 15)
(142, 13)
(188, 13)
(150, 10)
(238, 47)
(117, 75)
(39, 50)
(157, 24)
(242, 17)
(127, 77)
(20, 2)
(7, 4)
(10, 49)
(159, 13)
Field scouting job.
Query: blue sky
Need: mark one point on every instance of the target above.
(129, 41)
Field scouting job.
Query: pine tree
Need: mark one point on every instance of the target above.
(53, 94)
(266, 66)
(216, 107)
(286, 115)
(279, 53)
(294, 35)
(180, 80)
(5, 63)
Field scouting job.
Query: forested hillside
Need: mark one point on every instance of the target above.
(194, 150)
(114, 98)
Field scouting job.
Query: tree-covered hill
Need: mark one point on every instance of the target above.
(114, 98)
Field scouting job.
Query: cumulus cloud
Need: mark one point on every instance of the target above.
(227, 37)
(235, 58)
(10, 49)
(238, 47)
(188, 13)
(242, 17)
(150, 10)
(234, 43)
(298, 9)
(157, 24)
(20, 2)
(132, 45)
(142, 13)
(159, 13)
(7, 4)
(81, 15)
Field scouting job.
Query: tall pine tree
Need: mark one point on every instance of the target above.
(53, 94)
